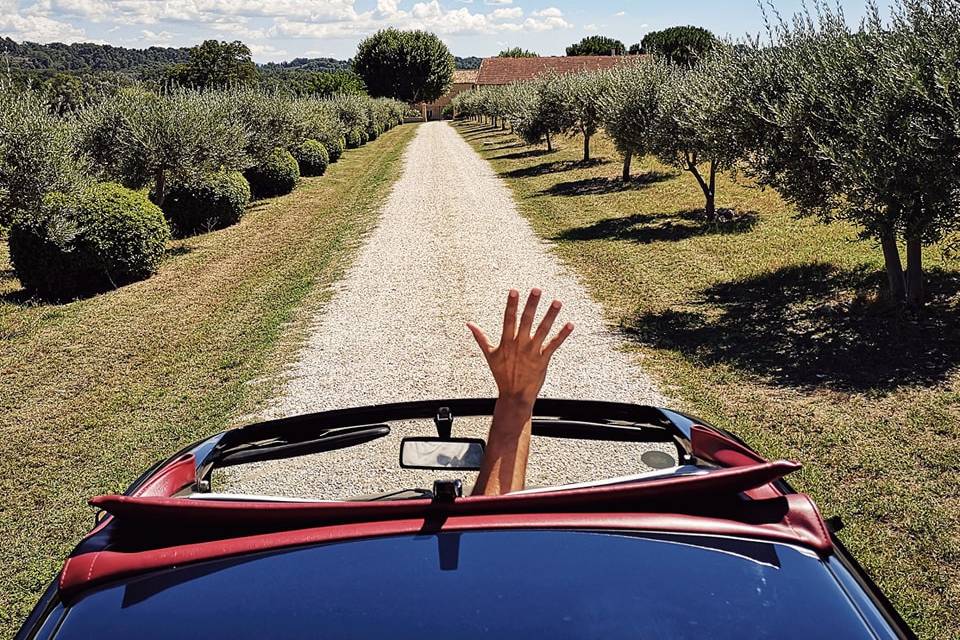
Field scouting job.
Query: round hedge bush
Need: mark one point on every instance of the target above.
(373, 132)
(312, 157)
(275, 176)
(355, 138)
(101, 238)
(214, 201)
(336, 147)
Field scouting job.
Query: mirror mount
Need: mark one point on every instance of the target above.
(447, 490)
(444, 422)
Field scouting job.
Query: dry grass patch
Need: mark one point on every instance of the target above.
(771, 326)
(94, 391)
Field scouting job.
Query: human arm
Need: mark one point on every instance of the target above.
(519, 367)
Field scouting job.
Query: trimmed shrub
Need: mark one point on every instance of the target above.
(214, 201)
(312, 157)
(101, 238)
(275, 176)
(355, 138)
(336, 147)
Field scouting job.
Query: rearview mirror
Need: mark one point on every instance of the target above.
(464, 454)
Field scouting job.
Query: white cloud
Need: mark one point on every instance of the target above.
(507, 14)
(498, 1)
(38, 28)
(619, 14)
(549, 12)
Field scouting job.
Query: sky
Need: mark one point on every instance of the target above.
(284, 29)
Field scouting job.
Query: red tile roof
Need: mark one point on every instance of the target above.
(465, 76)
(507, 70)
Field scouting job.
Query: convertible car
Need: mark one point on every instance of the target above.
(711, 543)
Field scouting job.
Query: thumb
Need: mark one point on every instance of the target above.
(482, 340)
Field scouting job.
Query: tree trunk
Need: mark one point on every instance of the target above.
(160, 187)
(711, 208)
(586, 148)
(627, 159)
(549, 143)
(891, 260)
(914, 272)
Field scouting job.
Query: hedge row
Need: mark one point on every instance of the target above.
(91, 197)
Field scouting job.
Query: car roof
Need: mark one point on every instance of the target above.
(156, 524)
(549, 583)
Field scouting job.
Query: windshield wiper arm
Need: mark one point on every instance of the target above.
(278, 448)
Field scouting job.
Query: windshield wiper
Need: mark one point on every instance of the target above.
(279, 448)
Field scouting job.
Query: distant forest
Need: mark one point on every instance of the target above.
(138, 64)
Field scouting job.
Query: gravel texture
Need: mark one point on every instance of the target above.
(449, 245)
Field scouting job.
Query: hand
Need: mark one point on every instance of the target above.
(519, 366)
(519, 363)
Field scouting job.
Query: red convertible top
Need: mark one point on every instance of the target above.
(150, 529)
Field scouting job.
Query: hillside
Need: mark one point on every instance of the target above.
(139, 63)
(87, 56)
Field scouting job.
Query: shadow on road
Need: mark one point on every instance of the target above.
(644, 228)
(815, 326)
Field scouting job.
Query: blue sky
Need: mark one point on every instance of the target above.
(283, 29)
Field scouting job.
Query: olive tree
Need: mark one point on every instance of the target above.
(142, 139)
(36, 153)
(631, 107)
(861, 124)
(583, 93)
(693, 130)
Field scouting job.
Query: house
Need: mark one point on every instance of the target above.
(463, 80)
(500, 71)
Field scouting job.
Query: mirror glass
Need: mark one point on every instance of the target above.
(426, 453)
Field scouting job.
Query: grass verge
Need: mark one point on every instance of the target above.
(94, 391)
(771, 326)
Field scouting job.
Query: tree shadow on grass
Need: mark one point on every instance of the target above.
(554, 167)
(521, 155)
(816, 326)
(603, 185)
(644, 228)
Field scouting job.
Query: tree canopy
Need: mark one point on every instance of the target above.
(413, 66)
(680, 45)
(216, 64)
(597, 46)
(517, 52)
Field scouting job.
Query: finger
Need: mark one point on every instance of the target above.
(482, 340)
(547, 323)
(558, 340)
(510, 317)
(529, 311)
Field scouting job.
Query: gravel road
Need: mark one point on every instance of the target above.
(449, 245)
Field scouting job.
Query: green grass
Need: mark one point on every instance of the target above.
(94, 391)
(771, 326)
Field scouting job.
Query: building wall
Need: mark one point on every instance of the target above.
(434, 110)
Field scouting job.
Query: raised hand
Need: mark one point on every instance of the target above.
(519, 363)
(519, 366)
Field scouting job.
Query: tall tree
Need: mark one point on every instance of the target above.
(517, 52)
(413, 66)
(597, 46)
(680, 45)
(216, 64)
